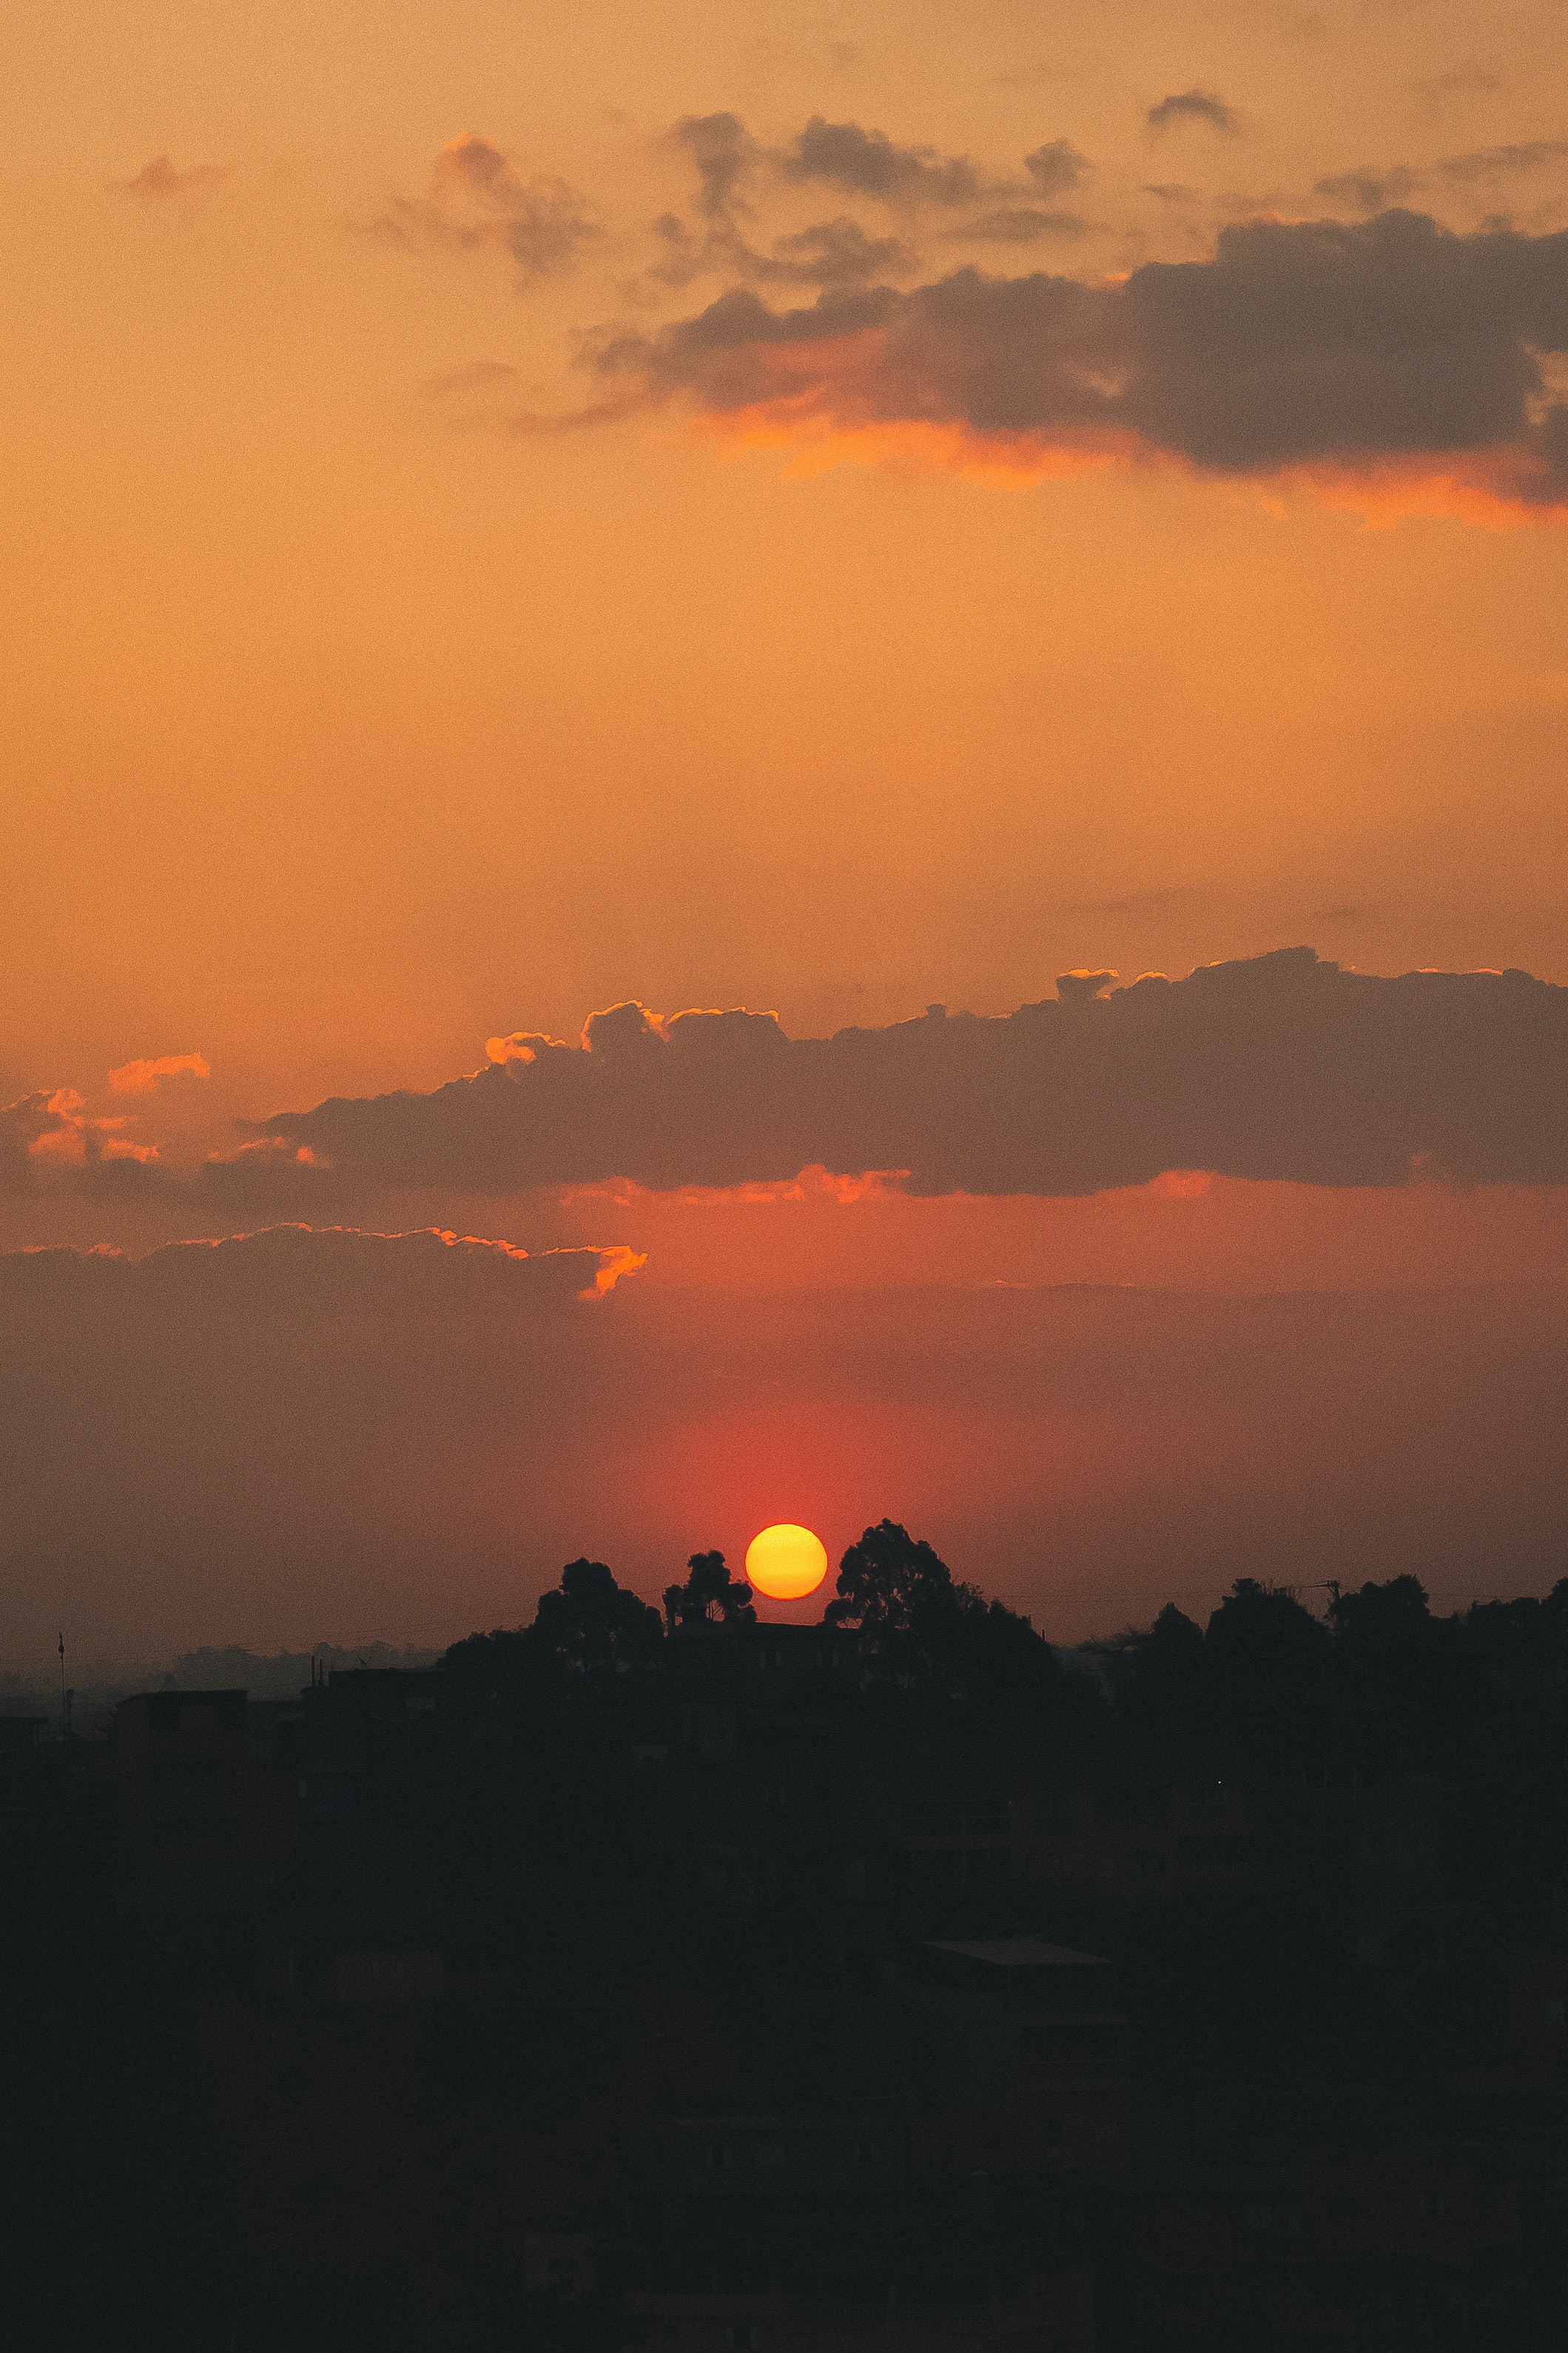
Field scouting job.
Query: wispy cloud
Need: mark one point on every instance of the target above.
(477, 197)
(1373, 186)
(1019, 225)
(1483, 164)
(1370, 190)
(1459, 81)
(726, 158)
(159, 179)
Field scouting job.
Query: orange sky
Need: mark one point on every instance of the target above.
(349, 718)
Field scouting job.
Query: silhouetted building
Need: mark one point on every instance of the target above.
(1033, 2071)
(180, 1760)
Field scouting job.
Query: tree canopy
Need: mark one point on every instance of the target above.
(708, 1594)
(891, 1583)
(593, 1625)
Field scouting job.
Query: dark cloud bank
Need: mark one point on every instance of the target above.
(1298, 344)
(332, 1275)
(284, 1427)
(1281, 1067)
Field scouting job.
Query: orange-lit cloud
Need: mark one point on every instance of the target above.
(613, 1263)
(141, 1078)
(1392, 348)
(813, 1184)
(1282, 1068)
(1186, 1231)
(46, 1134)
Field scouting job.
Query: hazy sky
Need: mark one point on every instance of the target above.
(510, 511)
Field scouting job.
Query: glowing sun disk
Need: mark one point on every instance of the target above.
(785, 1562)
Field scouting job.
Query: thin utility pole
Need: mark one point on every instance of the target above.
(65, 1697)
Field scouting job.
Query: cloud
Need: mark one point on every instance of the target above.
(1369, 191)
(1280, 1067)
(1463, 81)
(290, 1420)
(838, 254)
(867, 163)
(1194, 106)
(833, 253)
(48, 1137)
(1056, 168)
(1385, 358)
(141, 1078)
(726, 157)
(1499, 162)
(1019, 225)
(476, 198)
(474, 376)
(159, 179)
(318, 1273)
(1375, 186)
(21, 1124)
(51, 1146)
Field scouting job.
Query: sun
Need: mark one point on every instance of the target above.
(786, 1562)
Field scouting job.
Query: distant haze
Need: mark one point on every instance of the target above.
(332, 1428)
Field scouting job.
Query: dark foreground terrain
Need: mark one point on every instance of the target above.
(685, 1980)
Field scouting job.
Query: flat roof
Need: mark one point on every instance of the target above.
(1019, 1953)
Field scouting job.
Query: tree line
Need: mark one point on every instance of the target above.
(1377, 1681)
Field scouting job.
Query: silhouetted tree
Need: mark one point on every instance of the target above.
(892, 1584)
(1000, 1655)
(590, 1623)
(1262, 1631)
(1270, 1664)
(710, 1592)
(1525, 1636)
(893, 1587)
(1169, 1683)
(1386, 1623)
(1387, 1646)
(500, 1667)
